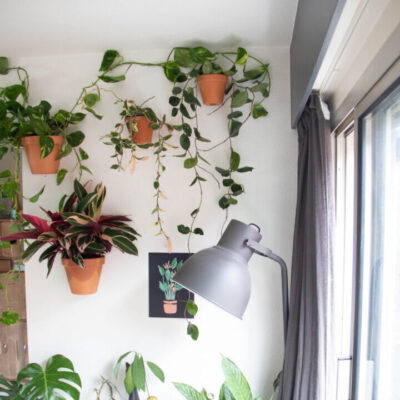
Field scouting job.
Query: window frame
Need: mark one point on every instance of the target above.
(377, 93)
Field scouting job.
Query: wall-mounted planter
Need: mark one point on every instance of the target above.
(212, 88)
(47, 165)
(170, 306)
(84, 280)
(144, 133)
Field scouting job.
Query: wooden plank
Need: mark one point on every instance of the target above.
(16, 296)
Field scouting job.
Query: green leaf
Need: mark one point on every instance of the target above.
(194, 212)
(258, 111)
(183, 229)
(156, 370)
(57, 380)
(187, 128)
(174, 101)
(234, 128)
(74, 139)
(13, 91)
(190, 162)
(61, 203)
(227, 182)
(35, 198)
(188, 392)
(191, 307)
(182, 56)
(110, 59)
(139, 375)
(245, 169)
(172, 70)
(184, 111)
(225, 394)
(98, 116)
(3, 150)
(5, 174)
(125, 245)
(239, 99)
(176, 90)
(3, 65)
(198, 231)
(207, 67)
(254, 73)
(128, 381)
(234, 160)
(10, 189)
(235, 380)
(79, 189)
(190, 98)
(237, 189)
(223, 172)
(262, 87)
(193, 331)
(46, 145)
(184, 141)
(9, 318)
(112, 79)
(223, 202)
(118, 363)
(201, 54)
(235, 114)
(242, 56)
(77, 117)
(83, 154)
(91, 99)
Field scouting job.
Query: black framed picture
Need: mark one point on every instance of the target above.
(166, 298)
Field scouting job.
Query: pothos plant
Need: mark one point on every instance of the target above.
(249, 86)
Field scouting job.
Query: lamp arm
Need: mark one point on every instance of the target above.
(264, 251)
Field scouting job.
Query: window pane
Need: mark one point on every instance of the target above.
(379, 337)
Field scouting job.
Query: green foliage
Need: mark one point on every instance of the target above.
(167, 272)
(135, 375)
(193, 331)
(9, 317)
(58, 380)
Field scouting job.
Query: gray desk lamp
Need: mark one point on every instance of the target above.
(220, 273)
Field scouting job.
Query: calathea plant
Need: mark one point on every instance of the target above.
(78, 230)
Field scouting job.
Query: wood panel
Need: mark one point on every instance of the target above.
(13, 339)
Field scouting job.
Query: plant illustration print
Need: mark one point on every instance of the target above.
(167, 286)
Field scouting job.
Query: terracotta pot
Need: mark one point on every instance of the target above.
(170, 306)
(47, 165)
(144, 133)
(212, 88)
(84, 280)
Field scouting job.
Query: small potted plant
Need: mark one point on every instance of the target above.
(81, 235)
(167, 272)
(139, 121)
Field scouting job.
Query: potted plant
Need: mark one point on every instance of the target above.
(168, 287)
(139, 121)
(81, 235)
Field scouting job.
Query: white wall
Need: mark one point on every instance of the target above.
(94, 330)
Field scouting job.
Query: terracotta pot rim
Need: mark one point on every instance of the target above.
(216, 77)
(69, 261)
(34, 139)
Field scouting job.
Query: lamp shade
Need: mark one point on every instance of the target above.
(220, 273)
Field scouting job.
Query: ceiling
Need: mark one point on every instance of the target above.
(46, 27)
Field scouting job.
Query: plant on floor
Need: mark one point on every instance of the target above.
(135, 375)
(234, 387)
(58, 380)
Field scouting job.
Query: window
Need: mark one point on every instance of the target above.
(377, 337)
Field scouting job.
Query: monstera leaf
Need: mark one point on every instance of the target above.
(9, 390)
(57, 381)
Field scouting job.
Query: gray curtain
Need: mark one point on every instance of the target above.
(309, 364)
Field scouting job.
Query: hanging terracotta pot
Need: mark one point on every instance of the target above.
(212, 88)
(144, 133)
(170, 306)
(84, 280)
(47, 165)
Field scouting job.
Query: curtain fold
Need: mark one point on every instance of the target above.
(309, 364)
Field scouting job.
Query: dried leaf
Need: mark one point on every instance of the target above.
(168, 245)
